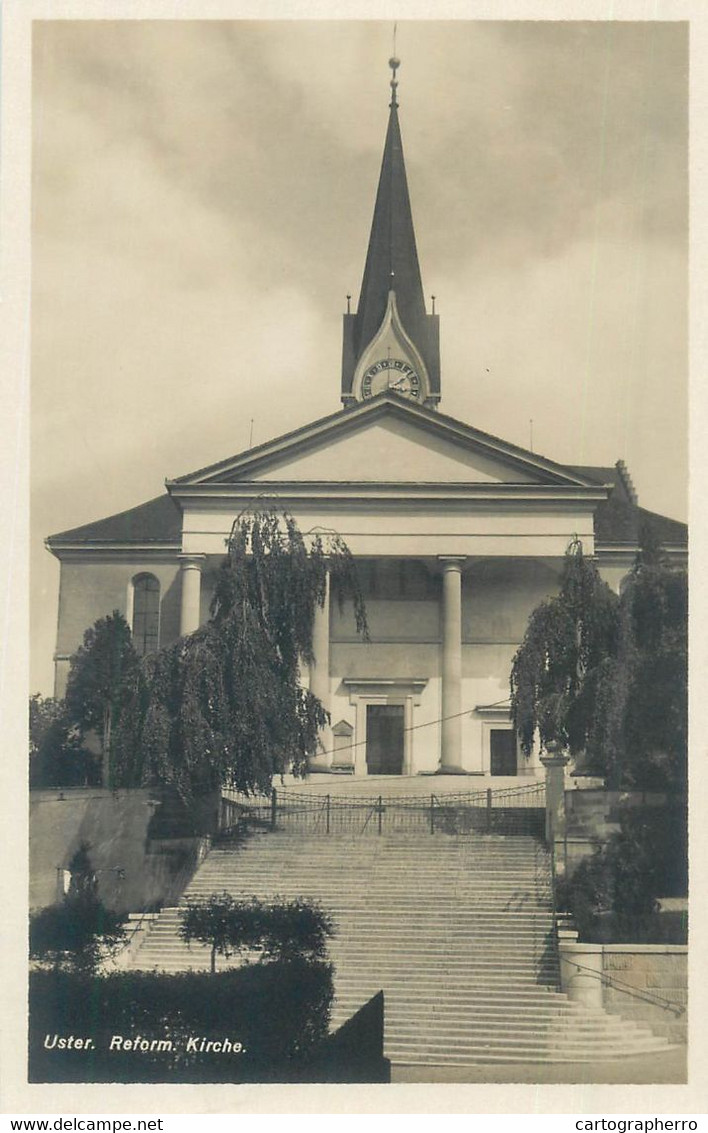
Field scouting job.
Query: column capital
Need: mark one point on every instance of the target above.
(189, 561)
(452, 562)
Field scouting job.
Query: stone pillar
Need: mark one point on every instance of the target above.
(319, 679)
(191, 592)
(555, 763)
(581, 972)
(451, 746)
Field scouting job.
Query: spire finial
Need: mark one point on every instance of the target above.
(394, 63)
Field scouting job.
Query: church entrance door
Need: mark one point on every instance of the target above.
(502, 742)
(384, 739)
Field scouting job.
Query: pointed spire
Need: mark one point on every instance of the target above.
(392, 267)
(394, 64)
(392, 257)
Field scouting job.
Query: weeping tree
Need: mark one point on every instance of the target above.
(225, 705)
(563, 662)
(642, 733)
(606, 676)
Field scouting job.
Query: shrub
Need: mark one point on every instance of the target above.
(81, 932)
(623, 880)
(278, 1012)
(284, 930)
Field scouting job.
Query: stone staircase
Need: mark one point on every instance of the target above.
(455, 929)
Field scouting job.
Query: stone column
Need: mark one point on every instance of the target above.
(555, 763)
(319, 679)
(451, 746)
(191, 592)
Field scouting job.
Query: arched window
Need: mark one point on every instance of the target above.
(146, 613)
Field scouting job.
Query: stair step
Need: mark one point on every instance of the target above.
(456, 930)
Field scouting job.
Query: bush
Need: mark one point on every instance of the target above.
(278, 1012)
(284, 930)
(616, 891)
(81, 932)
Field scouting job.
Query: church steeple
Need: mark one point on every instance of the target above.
(391, 325)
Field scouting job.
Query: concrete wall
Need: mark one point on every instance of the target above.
(115, 824)
(89, 590)
(411, 527)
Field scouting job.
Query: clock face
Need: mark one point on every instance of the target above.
(391, 373)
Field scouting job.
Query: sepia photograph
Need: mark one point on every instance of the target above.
(358, 726)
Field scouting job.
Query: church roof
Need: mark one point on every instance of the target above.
(619, 519)
(157, 522)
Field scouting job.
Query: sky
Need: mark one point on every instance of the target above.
(202, 193)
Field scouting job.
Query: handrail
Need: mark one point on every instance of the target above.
(627, 989)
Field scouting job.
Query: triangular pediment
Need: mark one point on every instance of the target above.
(387, 440)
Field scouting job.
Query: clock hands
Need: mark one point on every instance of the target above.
(379, 377)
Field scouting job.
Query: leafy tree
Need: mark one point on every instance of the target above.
(102, 671)
(606, 677)
(81, 933)
(225, 705)
(561, 662)
(285, 930)
(645, 860)
(644, 738)
(58, 757)
(296, 929)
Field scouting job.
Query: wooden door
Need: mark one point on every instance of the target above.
(502, 751)
(384, 739)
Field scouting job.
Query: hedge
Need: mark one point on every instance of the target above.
(278, 1012)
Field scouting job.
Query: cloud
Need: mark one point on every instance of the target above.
(202, 196)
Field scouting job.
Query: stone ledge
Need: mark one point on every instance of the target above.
(655, 949)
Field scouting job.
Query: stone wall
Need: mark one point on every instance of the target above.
(593, 816)
(655, 969)
(644, 983)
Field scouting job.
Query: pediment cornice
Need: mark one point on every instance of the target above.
(251, 464)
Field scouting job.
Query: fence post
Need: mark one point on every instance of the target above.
(328, 803)
(380, 810)
(489, 809)
(273, 808)
(432, 814)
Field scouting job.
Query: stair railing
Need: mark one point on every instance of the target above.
(677, 1009)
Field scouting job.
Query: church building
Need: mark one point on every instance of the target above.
(457, 534)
